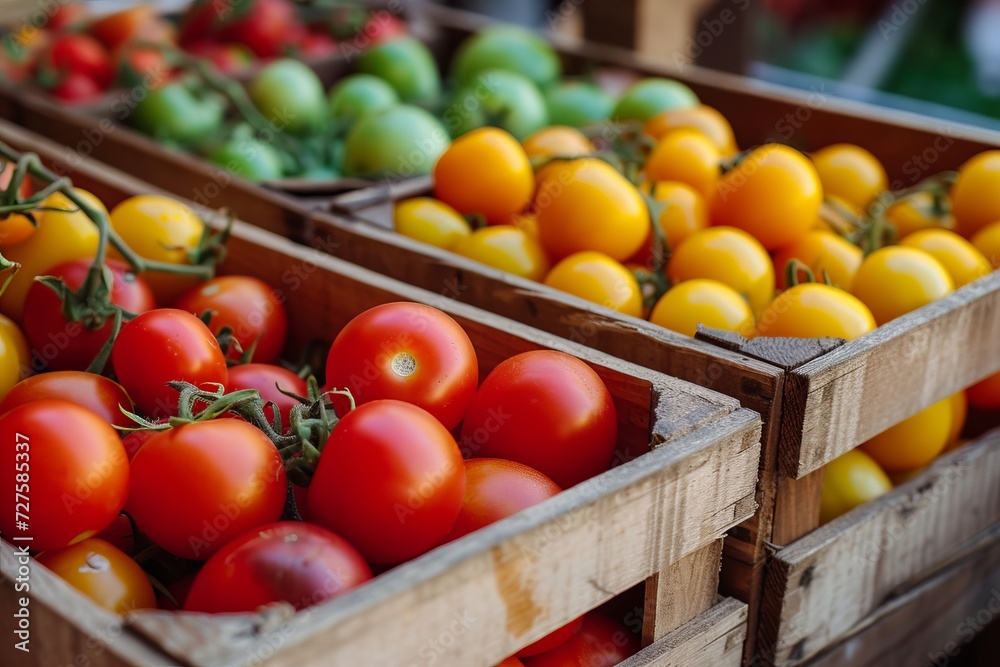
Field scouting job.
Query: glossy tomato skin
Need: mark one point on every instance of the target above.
(94, 392)
(821, 251)
(15, 227)
(485, 171)
(547, 410)
(975, 197)
(507, 248)
(235, 482)
(558, 140)
(80, 54)
(774, 194)
(685, 156)
(64, 345)
(104, 574)
(596, 277)
(985, 394)
(71, 464)
(390, 480)
(287, 561)
(850, 480)
(250, 307)
(915, 441)
(494, 489)
(895, 280)
(599, 642)
(917, 211)
(707, 302)
(815, 310)
(408, 352)
(431, 221)
(267, 378)
(701, 118)
(160, 346)
(960, 258)
(684, 213)
(550, 641)
(15, 356)
(987, 241)
(851, 173)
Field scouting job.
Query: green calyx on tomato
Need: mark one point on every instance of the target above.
(408, 66)
(501, 98)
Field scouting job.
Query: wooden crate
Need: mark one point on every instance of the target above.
(657, 519)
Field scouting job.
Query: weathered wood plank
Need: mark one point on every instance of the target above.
(862, 388)
(930, 623)
(714, 639)
(820, 586)
(697, 575)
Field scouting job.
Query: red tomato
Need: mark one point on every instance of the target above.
(198, 486)
(227, 58)
(123, 26)
(511, 662)
(254, 311)
(266, 379)
(77, 53)
(985, 394)
(382, 26)
(547, 410)
(164, 345)
(89, 390)
(141, 67)
(600, 642)
(390, 480)
(70, 469)
(69, 16)
(120, 534)
(134, 441)
(495, 489)
(265, 27)
(316, 45)
(551, 640)
(409, 352)
(77, 88)
(288, 561)
(65, 345)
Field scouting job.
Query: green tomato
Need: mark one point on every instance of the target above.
(651, 96)
(500, 98)
(291, 96)
(359, 95)
(407, 65)
(174, 114)
(250, 158)
(508, 48)
(578, 104)
(401, 141)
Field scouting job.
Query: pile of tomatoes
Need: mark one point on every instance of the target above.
(764, 242)
(290, 492)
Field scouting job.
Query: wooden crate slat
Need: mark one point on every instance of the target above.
(931, 621)
(860, 389)
(714, 639)
(820, 586)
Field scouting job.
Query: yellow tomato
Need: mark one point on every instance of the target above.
(730, 256)
(774, 194)
(850, 480)
(487, 172)
(684, 213)
(901, 478)
(163, 230)
(975, 197)
(959, 413)
(914, 442)
(15, 228)
(851, 173)
(507, 248)
(823, 252)
(15, 355)
(687, 156)
(706, 302)
(431, 221)
(987, 241)
(527, 222)
(963, 262)
(600, 279)
(893, 281)
(557, 140)
(62, 235)
(701, 118)
(586, 205)
(915, 212)
(815, 310)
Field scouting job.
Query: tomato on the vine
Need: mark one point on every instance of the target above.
(815, 310)
(598, 278)
(267, 379)
(774, 194)
(72, 345)
(547, 410)
(392, 497)
(684, 213)
(72, 464)
(94, 392)
(730, 256)
(824, 253)
(495, 489)
(917, 211)
(104, 574)
(234, 481)
(287, 561)
(161, 346)
(161, 229)
(485, 171)
(250, 307)
(894, 280)
(408, 352)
